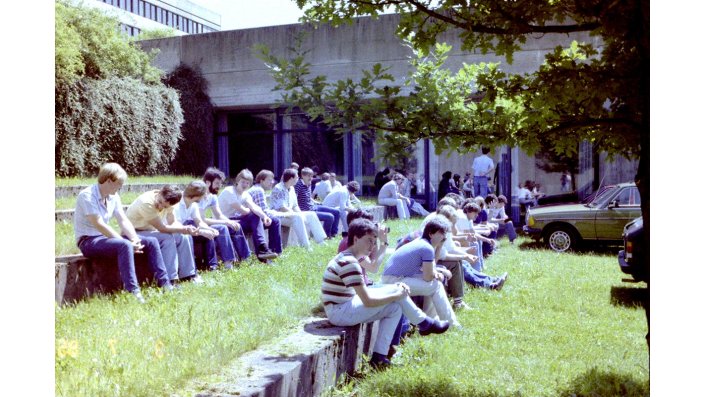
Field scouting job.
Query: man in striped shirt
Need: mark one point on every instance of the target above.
(329, 217)
(347, 300)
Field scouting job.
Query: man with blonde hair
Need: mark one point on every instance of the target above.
(95, 206)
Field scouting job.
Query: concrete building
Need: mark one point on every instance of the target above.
(183, 16)
(254, 131)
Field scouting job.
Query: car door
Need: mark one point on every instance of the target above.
(610, 220)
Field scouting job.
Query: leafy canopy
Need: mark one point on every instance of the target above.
(89, 44)
(597, 94)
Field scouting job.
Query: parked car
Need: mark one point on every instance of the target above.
(631, 258)
(563, 227)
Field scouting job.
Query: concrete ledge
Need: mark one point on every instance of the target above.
(306, 363)
(68, 191)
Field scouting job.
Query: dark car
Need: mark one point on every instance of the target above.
(631, 258)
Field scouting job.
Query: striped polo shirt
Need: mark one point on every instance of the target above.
(342, 274)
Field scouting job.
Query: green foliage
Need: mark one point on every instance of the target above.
(195, 152)
(119, 120)
(600, 96)
(150, 34)
(89, 44)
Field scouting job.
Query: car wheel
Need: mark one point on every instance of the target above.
(561, 239)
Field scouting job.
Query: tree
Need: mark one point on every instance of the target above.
(597, 94)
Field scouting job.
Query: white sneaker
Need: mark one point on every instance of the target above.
(197, 279)
(138, 295)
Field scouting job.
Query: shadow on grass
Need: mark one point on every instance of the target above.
(629, 296)
(585, 248)
(600, 383)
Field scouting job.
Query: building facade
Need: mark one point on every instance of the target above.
(183, 16)
(254, 130)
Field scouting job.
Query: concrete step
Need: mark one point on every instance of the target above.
(72, 191)
(306, 363)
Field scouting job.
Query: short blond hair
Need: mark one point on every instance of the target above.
(195, 189)
(244, 174)
(112, 172)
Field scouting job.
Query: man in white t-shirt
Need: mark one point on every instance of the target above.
(340, 198)
(482, 167)
(323, 187)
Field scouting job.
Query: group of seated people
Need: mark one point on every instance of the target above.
(390, 194)
(428, 265)
(166, 223)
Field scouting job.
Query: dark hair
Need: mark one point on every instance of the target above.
(490, 198)
(212, 174)
(447, 175)
(485, 150)
(434, 225)
(262, 175)
(171, 194)
(360, 228)
(195, 189)
(471, 207)
(359, 213)
(289, 174)
(353, 186)
(502, 199)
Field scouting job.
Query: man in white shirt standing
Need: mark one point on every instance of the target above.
(482, 166)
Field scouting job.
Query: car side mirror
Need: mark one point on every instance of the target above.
(613, 204)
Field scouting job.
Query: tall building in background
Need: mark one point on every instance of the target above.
(183, 16)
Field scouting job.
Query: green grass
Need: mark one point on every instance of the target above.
(113, 346)
(130, 179)
(564, 325)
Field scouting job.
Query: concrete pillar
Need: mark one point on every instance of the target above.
(352, 161)
(221, 143)
(516, 210)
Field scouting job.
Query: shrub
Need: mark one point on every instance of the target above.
(115, 119)
(195, 153)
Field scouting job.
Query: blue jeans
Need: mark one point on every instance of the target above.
(222, 244)
(252, 224)
(476, 278)
(239, 242)
(330, 217)
(177, 251)
(479, 184)
(108, 247)
(508, 229)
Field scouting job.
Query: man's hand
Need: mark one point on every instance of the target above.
(445, 272)
(190, 229)
(267, 221)
(405, 290)
(137, 245)
(234, 225)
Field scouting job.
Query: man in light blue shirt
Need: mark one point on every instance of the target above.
(95, 206)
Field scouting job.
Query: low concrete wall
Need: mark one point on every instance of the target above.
(69, 191)
(306, 363)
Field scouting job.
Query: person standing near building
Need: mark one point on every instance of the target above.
(95, 206)
(482, 167)
(566, 181)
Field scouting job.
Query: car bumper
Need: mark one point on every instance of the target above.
(533, 233)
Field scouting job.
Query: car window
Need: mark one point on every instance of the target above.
(628, 196)
(603, 197)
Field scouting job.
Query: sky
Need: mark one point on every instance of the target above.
(243, 14)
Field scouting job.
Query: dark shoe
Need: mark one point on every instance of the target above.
(499, 283)
(266, 255)
(379, 362)
(437, 327)
(392, 352)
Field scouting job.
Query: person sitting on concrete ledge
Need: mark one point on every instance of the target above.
(329, 217)
(152, 213)
(95, 206)
(497, 215)
(414, 264)
(214, 178)
(285, 205)
(340, 198)
(237, 204)
(347, 301)
(188, 212)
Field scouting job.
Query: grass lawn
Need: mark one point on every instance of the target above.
(563, 325)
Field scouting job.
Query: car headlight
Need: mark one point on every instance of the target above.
(531, 221)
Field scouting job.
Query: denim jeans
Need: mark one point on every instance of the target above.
(355, 312)
(434, 293)
(328, 214)
(252, 224)
(177, 251)
(108, 247)
(508, 229)
(479, 184)
(222, 244)
(239, 242)
(476, 278)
